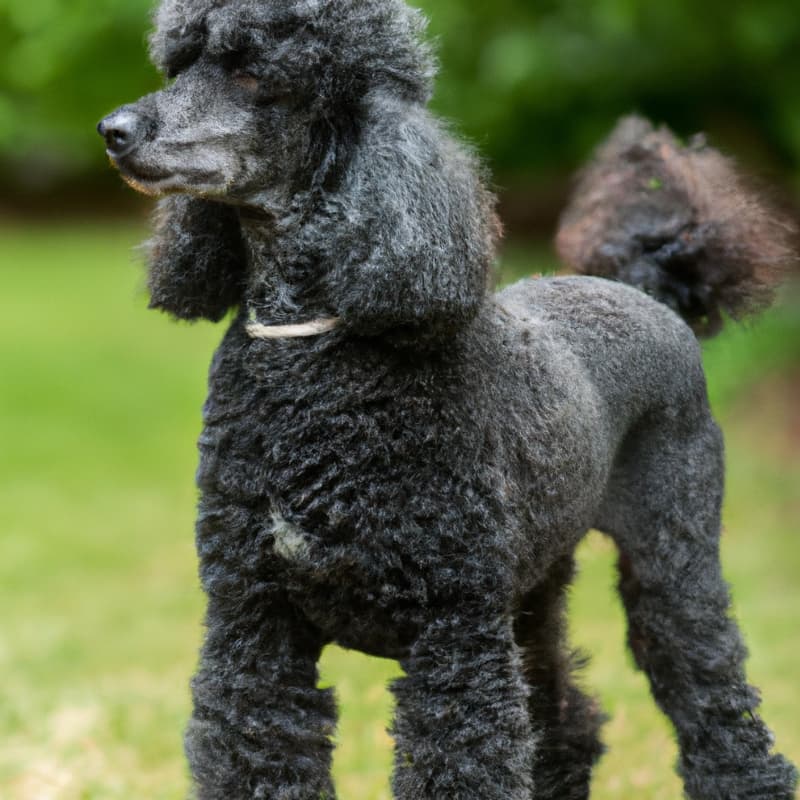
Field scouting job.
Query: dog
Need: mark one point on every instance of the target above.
(396, 458)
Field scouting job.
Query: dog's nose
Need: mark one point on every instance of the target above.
(120, 130)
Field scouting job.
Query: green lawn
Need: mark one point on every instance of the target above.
(99, 606)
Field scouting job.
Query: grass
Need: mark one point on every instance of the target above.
(99, 408)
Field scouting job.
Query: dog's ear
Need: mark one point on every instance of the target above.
(196, 259)
(414, 230)
(333, 141)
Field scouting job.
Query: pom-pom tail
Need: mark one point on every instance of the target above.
(678, 222)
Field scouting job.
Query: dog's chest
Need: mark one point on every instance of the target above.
(379, 481)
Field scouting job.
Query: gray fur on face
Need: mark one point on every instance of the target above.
(414, 483)
(269, 95)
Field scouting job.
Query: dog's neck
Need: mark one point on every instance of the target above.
(283, 271)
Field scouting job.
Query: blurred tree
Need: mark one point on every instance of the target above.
(63, 63)
(541, 81)
(536, 83)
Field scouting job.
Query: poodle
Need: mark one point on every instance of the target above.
(399, 460)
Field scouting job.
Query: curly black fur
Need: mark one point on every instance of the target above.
(197, 259)
(413, 483)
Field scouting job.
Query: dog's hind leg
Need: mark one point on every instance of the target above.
(664, 512)
(462, 729)
(569, 722)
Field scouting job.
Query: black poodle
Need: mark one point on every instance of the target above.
(401, 461)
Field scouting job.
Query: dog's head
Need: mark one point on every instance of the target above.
(263, 95)
(313, 111)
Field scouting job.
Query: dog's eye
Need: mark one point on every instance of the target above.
(246, 81)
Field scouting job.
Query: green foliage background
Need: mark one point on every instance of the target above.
(535, 83)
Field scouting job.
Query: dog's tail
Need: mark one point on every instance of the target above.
(679, 223)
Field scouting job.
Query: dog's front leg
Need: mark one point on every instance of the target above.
(462, 728)
(261, 729)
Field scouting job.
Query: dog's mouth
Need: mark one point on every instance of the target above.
(144, 179)
(141, 173)
(153, 181)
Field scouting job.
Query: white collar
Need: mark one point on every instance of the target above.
(316, 327)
